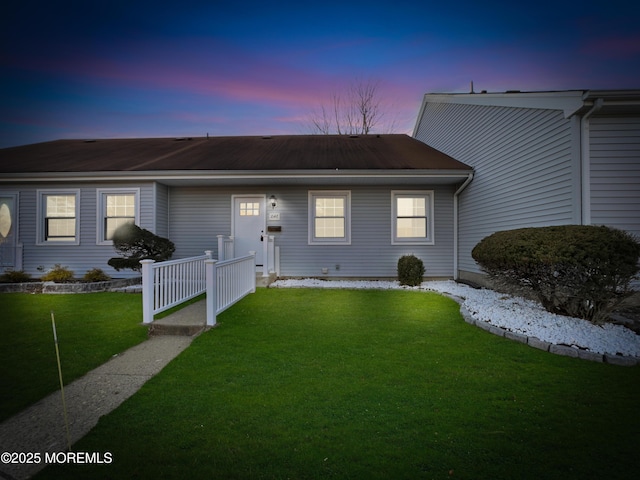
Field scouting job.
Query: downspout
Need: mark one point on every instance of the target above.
(585, 163)
(455, 224)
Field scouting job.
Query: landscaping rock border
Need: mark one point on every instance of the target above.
(534, 342)
(77, 287)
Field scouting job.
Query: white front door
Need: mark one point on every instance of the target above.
(249, 222)
(8, 226)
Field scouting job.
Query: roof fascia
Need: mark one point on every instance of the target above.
(569, 102)
(231, 175)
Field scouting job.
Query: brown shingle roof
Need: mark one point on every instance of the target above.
(287, 152)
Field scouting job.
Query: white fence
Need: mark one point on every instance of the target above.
(227, 282)
(270, 253)
(167, 284)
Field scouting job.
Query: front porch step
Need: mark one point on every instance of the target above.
(189, 321)
(157, 329)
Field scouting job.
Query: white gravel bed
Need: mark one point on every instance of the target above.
(511, 313)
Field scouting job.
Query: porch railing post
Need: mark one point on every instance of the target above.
(253, 269)
(220, 247)
(212, 290)
(147, 290)
(265, 256)
(272, 259)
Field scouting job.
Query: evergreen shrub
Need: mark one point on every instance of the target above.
(58, 274)
(96, 275)
(410, 270)
(576, 270)
(135, 244)
(15, 276)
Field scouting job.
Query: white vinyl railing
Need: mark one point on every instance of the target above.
(270, 253)
(167, 284)
(225, 247)
(227, 282)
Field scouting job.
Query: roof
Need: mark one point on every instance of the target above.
(257, 154)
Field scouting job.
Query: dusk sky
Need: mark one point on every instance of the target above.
(139, 69)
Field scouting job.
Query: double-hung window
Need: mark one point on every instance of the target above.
(412, 217)
(329, 217)
(116, 207)
(58, 217)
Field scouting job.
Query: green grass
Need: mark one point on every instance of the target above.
(91, 328)
(311, 384)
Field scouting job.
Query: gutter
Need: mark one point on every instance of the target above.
(455, 224)
(585, 163)
(224, 175)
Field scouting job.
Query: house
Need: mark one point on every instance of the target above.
(334, 206)
(539, 158)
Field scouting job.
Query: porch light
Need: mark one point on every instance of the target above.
(272, 201)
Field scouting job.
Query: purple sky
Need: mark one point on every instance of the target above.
(88, 69)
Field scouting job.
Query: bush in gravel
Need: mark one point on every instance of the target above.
(576, 270)
(58, 274)
(96, 275)
(135, 244)
(410, 270)
(14, 276)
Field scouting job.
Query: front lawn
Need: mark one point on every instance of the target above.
(309, 384)
(91, 328)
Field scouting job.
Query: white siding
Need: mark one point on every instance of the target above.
(37, 259)
(524, 172)
(615, 172)
(197, 215)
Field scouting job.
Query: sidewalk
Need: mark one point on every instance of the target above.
(40, 428)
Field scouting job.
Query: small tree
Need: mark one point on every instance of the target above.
(576, 270)
(135, 244)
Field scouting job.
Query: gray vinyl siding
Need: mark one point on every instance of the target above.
(615, 172)
(524, 172)
(198, 215)
(37, 259)
(161, 202)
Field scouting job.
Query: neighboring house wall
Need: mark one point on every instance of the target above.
(198, 214)
(525, 162)
(615, 172)
(89, 253)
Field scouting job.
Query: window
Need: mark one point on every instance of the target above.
(329, 217)
(249, 209)
(412, 218)
(58, 218)
(115, 208)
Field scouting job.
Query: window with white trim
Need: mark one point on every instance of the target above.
(412, 217)
(329, 217)
(58, 217)
(116, 207)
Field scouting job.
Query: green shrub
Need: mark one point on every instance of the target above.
(58, 274)
(96, 275)
(14, 276)
(410, 270)
(576, 270)
(135, 244)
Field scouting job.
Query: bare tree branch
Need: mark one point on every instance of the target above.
(359, 112)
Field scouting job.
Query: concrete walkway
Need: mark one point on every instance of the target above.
(40, 429)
